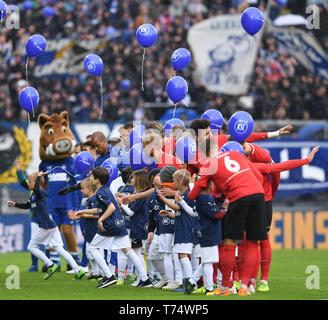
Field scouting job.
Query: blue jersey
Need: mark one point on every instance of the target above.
(61, 175)
(113, 152)
(127, 189)
(38, 202)
(210, 228)
(90, 224)
(78, 194)
(139, 221)
(185, 225)
(114, 225)
(163, 224)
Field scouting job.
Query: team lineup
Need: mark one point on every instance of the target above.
(168, 207)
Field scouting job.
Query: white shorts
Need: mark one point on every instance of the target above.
(47, 237)
(210, 254)
(154, 253)
(197, 251)
(166, 242)
(110, 243)
(183, 248)
(34, 228)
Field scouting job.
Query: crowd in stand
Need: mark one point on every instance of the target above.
(282, 88)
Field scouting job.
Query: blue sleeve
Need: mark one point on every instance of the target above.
(209, 208)
(137, 205)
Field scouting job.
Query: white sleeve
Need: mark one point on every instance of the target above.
(127, 210)
(187, 208)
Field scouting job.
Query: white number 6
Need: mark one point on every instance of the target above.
(231, 165)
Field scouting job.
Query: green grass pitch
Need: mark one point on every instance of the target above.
(294, 275)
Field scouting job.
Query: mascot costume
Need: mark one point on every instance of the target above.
(56, 147)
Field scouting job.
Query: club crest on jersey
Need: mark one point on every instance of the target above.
(166, 221)
(119, 223)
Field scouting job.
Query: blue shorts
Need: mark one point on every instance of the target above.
(60, 216)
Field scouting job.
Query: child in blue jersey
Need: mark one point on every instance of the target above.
(111, 232)
(138, 213)
(210, 236)
(47, 232)
(161, 240)
(90, 224)
(123, 263)
(23, 181)
(185, 221)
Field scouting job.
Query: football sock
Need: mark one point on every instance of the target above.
(250, 257)
(177, 268)
(186, 267)
(122, 261)
(168, 266)
(208, 276)
(159, 266)
(256, 269)
(240, 257)
(54, 256)
(98, 255)
(34, 260)
(220, 249)
(266, 255)
(227, 263)
(138, 264)
(68, 258)
(33, 248)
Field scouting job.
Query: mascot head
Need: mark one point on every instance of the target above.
(56, 138)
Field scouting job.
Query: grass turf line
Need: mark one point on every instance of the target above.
(287, 281)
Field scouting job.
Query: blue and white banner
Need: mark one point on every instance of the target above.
(307, 179)
(64, 57)
(224, 54)
(304, 47)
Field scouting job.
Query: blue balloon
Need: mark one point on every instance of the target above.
(35, 45)
(171, 124)
(3, 9)
(48, 12)
(240, 125)
(232, 146)
(136, 135)
(138, 158)
(112, 170)
(29, 98)
(215, 117)
(185, 149)
(125, 84)
(252, 20)
(180, 58)
(176, 88)
(146, 35)
(84, 162)
(93, 64)
(282, 3)
(28, 5)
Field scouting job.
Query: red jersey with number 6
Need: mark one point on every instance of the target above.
(232, 173)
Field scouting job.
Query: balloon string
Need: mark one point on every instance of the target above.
(26, 64)
(101, 97)
(175, 107)
(247, 60)
(142, 69)
(26, 74)
(28, 119)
